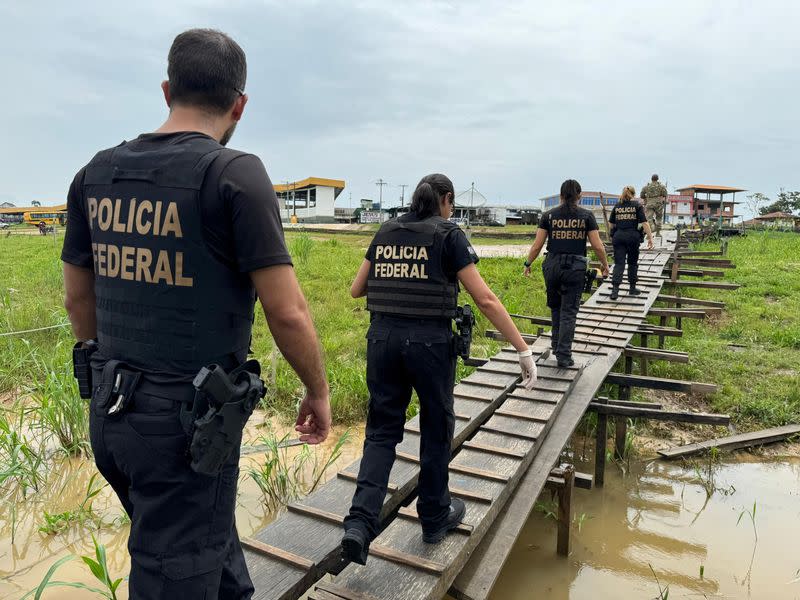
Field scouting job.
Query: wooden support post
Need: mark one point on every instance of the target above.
(565, 511)
(643, 359)
(621, 427)
(601, 435)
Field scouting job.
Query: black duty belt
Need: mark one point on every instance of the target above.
(567, 259)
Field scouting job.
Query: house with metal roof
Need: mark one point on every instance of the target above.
(712, 202)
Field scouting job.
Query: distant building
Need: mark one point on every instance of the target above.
(679, 209)
(589, 200)
(712, 203)
(775, 220)
(310, 200)
(7, 205)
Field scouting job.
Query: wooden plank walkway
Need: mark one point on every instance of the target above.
(403, 566)
(290, 554)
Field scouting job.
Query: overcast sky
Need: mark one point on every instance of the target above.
(514, 96)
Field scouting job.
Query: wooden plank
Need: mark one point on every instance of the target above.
(743, 440)
(341, 592)
(660, 415)
(658, 383)
(470, 495)
(710, 285)
(508, 432)
(689, 301)
(670, 356)
(473, 445)
(684, 313)
(289, 558)
(391, 487)
(519, 415)
(479, 473)
(403, 558)
(722, 263)
(316, 513)
(607, 343)
(411, 513)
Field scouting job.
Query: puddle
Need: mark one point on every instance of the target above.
(658, 515)
(24, 563)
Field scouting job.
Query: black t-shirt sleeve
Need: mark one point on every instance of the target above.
(612, 218)
(254, 215)
(640, 217)
(77, 249)
(591, 222)
(370, 255)
(544, 223)
(458, 252)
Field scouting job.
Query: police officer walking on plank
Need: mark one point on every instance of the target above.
(170, 237)
(626, 218)
(654, 195)
(411, 278)
(566, 229)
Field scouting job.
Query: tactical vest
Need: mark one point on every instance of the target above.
(406, 277)
(164, 302)
(626, 215)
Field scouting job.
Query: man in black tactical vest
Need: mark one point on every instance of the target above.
(410, 276)
(170, 237)
(566, 229)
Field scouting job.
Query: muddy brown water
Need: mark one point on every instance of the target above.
(24, 563)
(657, 514)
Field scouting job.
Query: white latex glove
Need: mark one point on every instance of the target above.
(528, 368)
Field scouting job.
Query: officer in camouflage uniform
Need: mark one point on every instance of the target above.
(654, 195)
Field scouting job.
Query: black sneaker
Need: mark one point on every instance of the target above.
(614, 293)
(457, 512)
(354, 546)
(634, 291)
(565, 362)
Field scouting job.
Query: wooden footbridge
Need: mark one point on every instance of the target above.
(506, 448)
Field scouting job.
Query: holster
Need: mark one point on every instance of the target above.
(114, 392)
(81, 369)
(230, 400)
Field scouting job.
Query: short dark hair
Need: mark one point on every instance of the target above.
(206, 69)
(654, 177)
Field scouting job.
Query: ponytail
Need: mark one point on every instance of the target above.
(570, 192)
(425, 201)
(628, 193)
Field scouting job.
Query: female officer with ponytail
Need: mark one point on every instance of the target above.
(566, 229)
(626, 218)
(411, 277)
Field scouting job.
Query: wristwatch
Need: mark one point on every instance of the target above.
(527, 264)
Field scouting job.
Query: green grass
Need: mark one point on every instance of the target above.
(758, 384)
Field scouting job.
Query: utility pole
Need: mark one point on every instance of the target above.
(286, 199)
(471, 194)
(380, 183)
(402, 187)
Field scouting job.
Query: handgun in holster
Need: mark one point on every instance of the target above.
(81, 367)
(592, 276)
(231, 399)
(465, 321)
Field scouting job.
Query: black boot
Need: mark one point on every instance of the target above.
(633, 291)
(355, 547)
(614, 291)
(457, 511)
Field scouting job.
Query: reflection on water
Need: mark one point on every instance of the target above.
(658, 515)
(24, 563)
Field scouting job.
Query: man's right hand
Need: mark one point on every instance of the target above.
(314, 418)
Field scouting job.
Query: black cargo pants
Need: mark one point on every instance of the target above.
(183, 541)
(403, 354)
(626, 249)
(564, 278)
